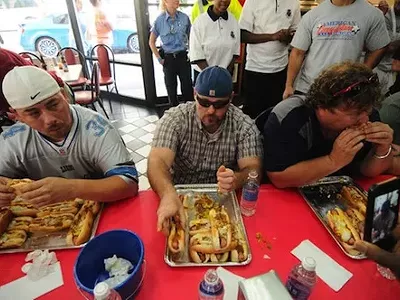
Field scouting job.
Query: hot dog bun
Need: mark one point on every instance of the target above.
(59, 208)
(202, 243)
(20, 208)
(241, 252)
(218, 258)
(199, 257)
(221, 229)
(20, 223)
(51, 223)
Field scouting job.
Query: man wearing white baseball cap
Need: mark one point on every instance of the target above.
(71, 151)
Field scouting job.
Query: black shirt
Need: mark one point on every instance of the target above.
(292, 134)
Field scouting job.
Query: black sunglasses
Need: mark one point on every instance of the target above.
(355, 88)
(217, 104)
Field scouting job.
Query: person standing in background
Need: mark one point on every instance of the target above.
(333, 32)
(173, 28)
(215, 38)
(390, 62)
(201, 6)
(100, 27)
(268, 30)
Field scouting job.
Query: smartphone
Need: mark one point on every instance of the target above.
(382, 213)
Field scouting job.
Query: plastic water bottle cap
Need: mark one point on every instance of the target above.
(253, 174)
(101, 291)
(309, 264)
(211, 277)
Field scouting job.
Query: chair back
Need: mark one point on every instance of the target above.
(103, 56)
(72, 55)
(95, 81)
(32, 58)
(262, 118)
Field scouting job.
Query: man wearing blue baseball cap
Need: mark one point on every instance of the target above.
(206, 141)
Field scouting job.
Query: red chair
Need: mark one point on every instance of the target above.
(74, 57)
(88, 98)
(107, 76)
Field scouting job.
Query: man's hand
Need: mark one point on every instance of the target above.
(289, 91)
(279, 35)
(6, 193)
(170, 205)
(286, 36)
(379, 134)
(346, 146)
(226, 179)
(47, 191)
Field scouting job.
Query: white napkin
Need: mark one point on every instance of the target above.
(328, 270)
(231, 283)
(26, 289)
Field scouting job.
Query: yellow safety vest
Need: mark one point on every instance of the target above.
(234, 8)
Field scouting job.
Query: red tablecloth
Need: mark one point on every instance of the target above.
(282, 216)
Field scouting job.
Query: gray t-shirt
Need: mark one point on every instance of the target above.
(386, 62)
(333, 34)
(390, 114)
(92, 149)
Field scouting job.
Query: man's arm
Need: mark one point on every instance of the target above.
(373, 58)
(395, 167)
(246, 165)
(303, 172)
(373, 166)
(296, 59)
(202, 64)
(253, 38)
(152, 44)
(158, 170)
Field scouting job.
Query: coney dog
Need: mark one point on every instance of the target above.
(16, 184)
(176, 238)
(241, 251)
(199, 257)
(94, 206)
(20, 208)
(12, 239)
(202, 205)
(58, 208)
(5, 219)
(356, 219)
(51, 223)
(199, 226)
(81, 227)
(20, 223)
(343, 229)
(355, 198)
(202, 243)
(221, 229)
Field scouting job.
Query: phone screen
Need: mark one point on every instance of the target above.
(384, 218)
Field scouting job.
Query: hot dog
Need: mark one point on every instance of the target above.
(81, 227)
(241, 251)
(356, 219)
(5, 219)
(343, 229)
(12, 239)
(218, 258)
(51, 223)
(355, 198)
(199, 257)
(17, 184)
(21, 208)
(21, 223)
(221, 229)
(176, 238)
(59, 208)
(199, 226)
(202, 243)
(94, 206)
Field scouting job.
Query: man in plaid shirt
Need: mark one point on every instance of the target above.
(206, 141)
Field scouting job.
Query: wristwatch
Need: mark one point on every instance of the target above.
(385, 155)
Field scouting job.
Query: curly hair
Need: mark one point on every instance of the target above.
(339, 77)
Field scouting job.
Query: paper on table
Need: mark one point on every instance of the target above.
(231, 283)
(328, 270)
(26, 289)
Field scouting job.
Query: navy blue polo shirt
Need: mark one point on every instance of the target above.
(292, 134)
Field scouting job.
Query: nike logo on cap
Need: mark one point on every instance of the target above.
(33, 97)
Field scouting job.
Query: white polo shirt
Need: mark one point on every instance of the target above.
(268, 17)
(215, 41)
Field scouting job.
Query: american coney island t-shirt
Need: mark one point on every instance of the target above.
(332, 34)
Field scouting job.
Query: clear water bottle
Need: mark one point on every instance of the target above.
(211, 288)
(302, 279)
(250, 195)
(103, 292)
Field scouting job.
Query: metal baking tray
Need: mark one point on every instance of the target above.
(229, 201)
(51, 241)
(321, 196)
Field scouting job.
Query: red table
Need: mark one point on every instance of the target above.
(282, 216)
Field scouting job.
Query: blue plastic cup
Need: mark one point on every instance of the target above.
(90, 262)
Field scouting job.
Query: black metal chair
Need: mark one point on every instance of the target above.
(74, 57)
(32, 57)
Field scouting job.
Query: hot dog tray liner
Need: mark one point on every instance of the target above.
(52, 241)
(321, 196)
(229, 201)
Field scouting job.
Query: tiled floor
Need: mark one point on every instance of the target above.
(136, 126)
